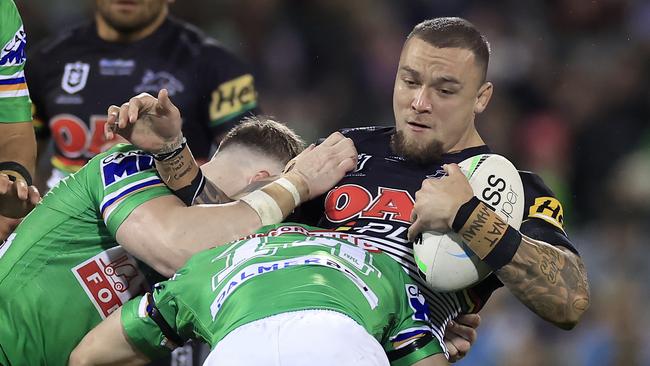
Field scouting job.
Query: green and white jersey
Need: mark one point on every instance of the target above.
(61, 271)
(284, 268)
(15, 105)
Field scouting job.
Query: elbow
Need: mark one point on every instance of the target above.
(77, 358)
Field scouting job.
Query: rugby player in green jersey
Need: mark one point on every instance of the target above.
(62, 270)
(17, 141)
(288, 295)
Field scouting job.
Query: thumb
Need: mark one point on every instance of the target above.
(415, 229)
(452, 169)
(165, 104)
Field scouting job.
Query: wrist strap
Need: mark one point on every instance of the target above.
(278, 199)
(15, 171)
(486, 233)
(171, 152)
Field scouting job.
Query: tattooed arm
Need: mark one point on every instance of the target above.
(549, 280)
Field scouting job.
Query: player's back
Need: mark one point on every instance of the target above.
(287, 268)
(61, 272)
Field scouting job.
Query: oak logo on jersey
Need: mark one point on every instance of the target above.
(350, 200)
(13, 52)
(152, 82)
(548, 209)
(110, 279)
(120, 165)
(232, 98)
(75, 76)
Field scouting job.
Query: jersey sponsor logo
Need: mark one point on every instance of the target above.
(13, 52)
(75, 140)
(350, 201)
(120, 165)
(152, 82)
(110, 279)
(548, 209)
(362, 159)
(417, 303)
(232, 98)
(116, 67)
(438, 174)
(257, 269)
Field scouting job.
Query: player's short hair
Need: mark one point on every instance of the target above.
(453, 32)
(267, 136)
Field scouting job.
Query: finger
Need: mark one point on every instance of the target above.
(5, 183)
(415, 229)
(123, 115)
(21, 189)
(164, 103)
(453, 351)
(332, 139)
(111, 121)
(136, 106)
(347, 164)
(471, 320)
(463, 331)
(452, 169)
(34, 195)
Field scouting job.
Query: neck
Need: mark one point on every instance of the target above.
(470, 139)
(110, 34)
(228, 180)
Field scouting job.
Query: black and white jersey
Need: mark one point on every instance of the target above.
(76, 75)
(376, 199)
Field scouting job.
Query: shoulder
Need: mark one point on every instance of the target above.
(200, 44)
(360, 134)
(60, 42)
(540, 201)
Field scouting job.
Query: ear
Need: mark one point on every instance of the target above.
(483, 97)
(259, 176)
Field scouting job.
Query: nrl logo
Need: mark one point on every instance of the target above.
(75, 76)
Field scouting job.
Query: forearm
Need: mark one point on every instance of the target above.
(551, 281)
(164, 233)
(18, 144)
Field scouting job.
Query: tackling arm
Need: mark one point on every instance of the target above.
(107, 345)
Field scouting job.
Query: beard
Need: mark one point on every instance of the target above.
(418, 153)
(132, 23)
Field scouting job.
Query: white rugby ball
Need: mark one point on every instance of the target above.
(445, 262)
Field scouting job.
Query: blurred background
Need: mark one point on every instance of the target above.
(571, 103)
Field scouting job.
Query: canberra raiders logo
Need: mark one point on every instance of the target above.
(75, 76)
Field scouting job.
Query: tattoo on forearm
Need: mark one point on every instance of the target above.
(211, 194)
(549, 280)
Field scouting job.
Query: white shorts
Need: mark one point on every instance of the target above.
(308, 337)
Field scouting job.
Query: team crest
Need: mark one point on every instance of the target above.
(152, 82)
(75, 76)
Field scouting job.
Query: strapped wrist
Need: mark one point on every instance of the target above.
(278, 199)
(486, 233)
(15, 171)
(171, 150)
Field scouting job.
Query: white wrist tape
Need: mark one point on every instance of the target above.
(265, 206)
(286, 184)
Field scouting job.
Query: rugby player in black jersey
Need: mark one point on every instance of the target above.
(132, 46)
(439, 88)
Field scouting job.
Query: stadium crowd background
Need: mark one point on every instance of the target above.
(570, 103)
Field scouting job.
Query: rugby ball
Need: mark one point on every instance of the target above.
(443, 260)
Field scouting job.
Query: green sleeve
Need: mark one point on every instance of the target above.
(124, 179)
(15, 105)
(411, 339)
